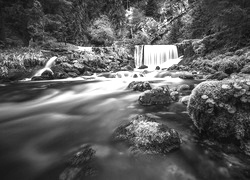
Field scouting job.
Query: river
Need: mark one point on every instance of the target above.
(42, 123)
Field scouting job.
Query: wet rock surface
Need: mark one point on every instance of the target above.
(183, 87)
(143, 67)
(144, 135)
(47, 75)
(80, 165)
(155, 96)
(184, 100)
(139, 86)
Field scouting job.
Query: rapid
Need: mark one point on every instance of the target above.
(43, 122)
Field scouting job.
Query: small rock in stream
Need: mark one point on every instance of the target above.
(139, 86)
(144, 135)
(155, 96)
(80, 165)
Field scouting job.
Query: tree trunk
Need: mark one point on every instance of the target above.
(2, 26)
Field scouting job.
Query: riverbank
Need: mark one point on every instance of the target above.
(71, 61)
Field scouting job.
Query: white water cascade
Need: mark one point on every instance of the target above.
(156, 55)
(47, 66)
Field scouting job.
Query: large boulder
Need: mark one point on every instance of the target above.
(220, 110)
(155, 96)
(144, 135)
(139, 86)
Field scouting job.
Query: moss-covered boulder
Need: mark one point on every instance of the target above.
(220, 110)
(47, 75)
(139, 86)
(144, 135)
(155, 96)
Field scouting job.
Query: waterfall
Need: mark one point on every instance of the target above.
(89, 49)
(156, 55)
(139, 55)
(47, 66)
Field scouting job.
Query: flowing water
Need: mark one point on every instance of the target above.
(42, 123)
(47, 66)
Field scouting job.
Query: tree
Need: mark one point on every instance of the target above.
(102, 32)
(36, 23)
(151, 9)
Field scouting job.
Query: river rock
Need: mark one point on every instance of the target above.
(186, 76)
(67, 67)
(174, 95)
(144, 135)
(36, 78)
(59, 72)
(139, 86)
(79, 67)
(143, 67)
(184, 100)
(72, 74)
(47, 75)
(183, 87)
(220, 110)
(127, 68)
(156, 96)
(80, 165)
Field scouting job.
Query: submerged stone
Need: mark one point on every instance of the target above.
(143, 134)
(156, 96)
(80, 165)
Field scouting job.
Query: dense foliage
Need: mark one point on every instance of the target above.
(100, 23)
(42, 21)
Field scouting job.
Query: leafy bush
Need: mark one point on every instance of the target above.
(102, 32)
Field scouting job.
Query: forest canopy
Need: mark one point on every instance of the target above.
(100, 23)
